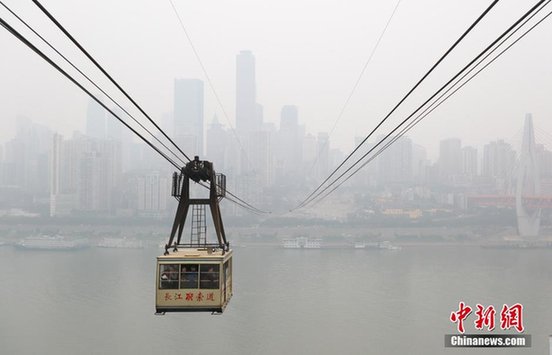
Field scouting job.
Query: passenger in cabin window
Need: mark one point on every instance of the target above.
(169, 277)
(188, 276)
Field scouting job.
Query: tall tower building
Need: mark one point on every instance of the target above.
(188, 115)
(247, 117)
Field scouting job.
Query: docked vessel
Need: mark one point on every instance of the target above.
(315, 243)
(291, 243)
(122, 243)
(302, 243)
(388, 246)
(57, 242)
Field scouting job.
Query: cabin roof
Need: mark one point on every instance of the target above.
(193, 253)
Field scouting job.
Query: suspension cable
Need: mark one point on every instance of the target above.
(20, 37)
(85, 52)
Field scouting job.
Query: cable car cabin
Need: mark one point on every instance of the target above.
(194, 280)
(195, 276)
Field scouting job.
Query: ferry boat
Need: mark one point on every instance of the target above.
(57, 242)
(122, 243)
(302, 243)
(313, 243)
(388, 246)
(291, 243)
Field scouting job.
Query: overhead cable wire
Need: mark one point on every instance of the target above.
(212, 87)
(244, 206)
(248, 204)
(90, 80)
(357, 82)
(89, 56)
(529, 12)
(21, 38)
(455, 44)
(238, 201)
(422, 116)
(196, 53)
(441, 99)
(404, 130)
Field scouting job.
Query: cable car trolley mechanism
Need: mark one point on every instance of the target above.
(195, 276)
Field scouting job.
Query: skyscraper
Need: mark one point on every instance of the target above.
(188, 115)
(247, 117)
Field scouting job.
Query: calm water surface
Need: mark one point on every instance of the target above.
(330, 301)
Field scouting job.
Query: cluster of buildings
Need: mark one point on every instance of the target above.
(107, 171)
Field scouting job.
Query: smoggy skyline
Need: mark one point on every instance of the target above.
(308, 54)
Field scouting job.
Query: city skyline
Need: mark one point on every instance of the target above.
(379, 156)
(315, 78)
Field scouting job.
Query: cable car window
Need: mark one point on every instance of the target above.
(189, 276)
(168, 276)
(226, 271)
(209, 276)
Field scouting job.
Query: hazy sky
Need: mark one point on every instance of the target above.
(308, 53)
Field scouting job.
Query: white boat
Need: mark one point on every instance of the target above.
(291, 243)
(388, 246)
(359, 245)
(122, 243)
(46, 242)
(313, 243)
(302, 243)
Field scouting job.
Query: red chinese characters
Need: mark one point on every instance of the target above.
(512, 317)
(199, 297)
(485, 317)
(460, 315)
(210, 296)
(168, 296)
(189, 296)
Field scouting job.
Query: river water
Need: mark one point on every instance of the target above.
(327, 301)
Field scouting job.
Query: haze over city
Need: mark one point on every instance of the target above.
(307, 54)
(258, 184)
